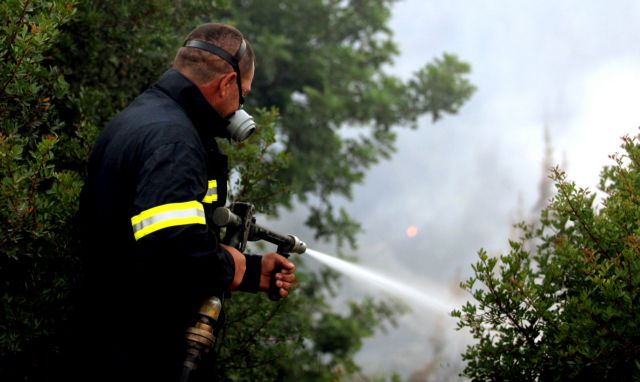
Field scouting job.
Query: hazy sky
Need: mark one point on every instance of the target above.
(570, 66)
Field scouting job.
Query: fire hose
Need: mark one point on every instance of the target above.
(240, 226)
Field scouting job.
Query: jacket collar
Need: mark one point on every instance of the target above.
(204, 117)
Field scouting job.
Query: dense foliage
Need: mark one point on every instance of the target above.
(69, 65)
(37, 199)
(564, 303)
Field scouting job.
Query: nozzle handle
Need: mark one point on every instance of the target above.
(274, 291)
(293, 245)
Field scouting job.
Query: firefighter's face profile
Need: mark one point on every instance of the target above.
(241, 124)
(235, 97)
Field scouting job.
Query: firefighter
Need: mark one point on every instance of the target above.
(156, 174)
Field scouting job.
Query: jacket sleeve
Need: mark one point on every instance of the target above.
(168, 220)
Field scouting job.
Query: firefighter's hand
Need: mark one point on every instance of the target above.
(240, 263)
(274, 265)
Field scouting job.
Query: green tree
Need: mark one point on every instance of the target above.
(563, 303)
(69, 65)
(321, 63)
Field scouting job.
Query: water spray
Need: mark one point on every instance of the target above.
(386, 284)
(241, 227)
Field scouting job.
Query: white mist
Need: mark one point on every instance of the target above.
(384, 283)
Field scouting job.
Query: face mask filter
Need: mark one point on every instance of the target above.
(241, 126)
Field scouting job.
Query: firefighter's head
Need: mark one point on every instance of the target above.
(218, 59)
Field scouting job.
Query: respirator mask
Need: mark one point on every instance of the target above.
(241, 124)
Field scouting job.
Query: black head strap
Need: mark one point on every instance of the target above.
(232, 60)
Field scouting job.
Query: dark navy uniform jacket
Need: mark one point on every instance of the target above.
(155, 176)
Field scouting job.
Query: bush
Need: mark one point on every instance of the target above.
(37, 198)
(564, 303)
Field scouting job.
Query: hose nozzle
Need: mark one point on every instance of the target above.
(298, 246)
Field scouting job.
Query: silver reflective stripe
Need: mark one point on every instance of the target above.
(212, 192)
(167, 215)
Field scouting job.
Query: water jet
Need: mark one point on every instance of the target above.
(387, 284)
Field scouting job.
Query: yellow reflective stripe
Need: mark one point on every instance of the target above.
(212, 192)
(167, 215)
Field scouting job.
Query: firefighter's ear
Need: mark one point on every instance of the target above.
(227, 83)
